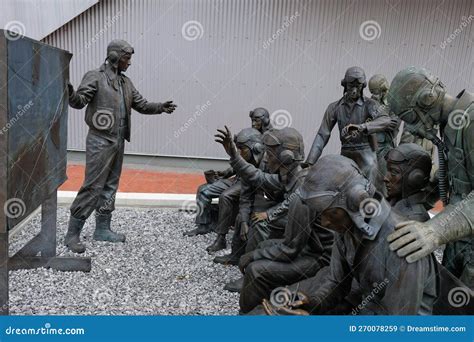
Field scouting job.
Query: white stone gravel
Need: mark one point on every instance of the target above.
(157, 271)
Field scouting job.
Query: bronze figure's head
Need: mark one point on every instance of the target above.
(408, 171)
(260, 119)
(119, 54)
(354, 82)
(416, 96)
(284, 148)
(250, 145)
(378, 86)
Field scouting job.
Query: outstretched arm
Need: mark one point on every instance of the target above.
(141, 104)
(414, 240)
(322, 138)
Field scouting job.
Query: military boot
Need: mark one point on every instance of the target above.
(238, 248)
(202, 229)
(72, 239)
(218, 244)
(102, 229)
(227, 259)
(235, 285)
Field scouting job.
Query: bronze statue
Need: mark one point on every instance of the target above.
(284, 153)
(432, 188)
(407, 180)
(358, 119)
(109, 96)
(251, 149)
(260, 119)
(337, 193)
(304, 250)
(419, 98)
(224, 186)
(254, 200)
(426, 144)
(386, 140)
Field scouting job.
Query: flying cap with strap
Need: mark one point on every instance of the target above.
(335, 181)
(416, 164)
(354, 74)
(378, 84)
(251, 138)
(118, 48)
(290, 142)
(414, 94)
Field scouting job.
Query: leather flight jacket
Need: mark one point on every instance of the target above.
(99, 90)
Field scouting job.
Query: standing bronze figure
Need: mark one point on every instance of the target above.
(109, 96)
(419, 98)
(358, 119)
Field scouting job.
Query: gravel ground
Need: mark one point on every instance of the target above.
(157, 271)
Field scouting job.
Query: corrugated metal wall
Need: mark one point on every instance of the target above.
(288, 56)
(22, 16)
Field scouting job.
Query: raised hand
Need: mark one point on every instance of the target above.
(224, 137)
